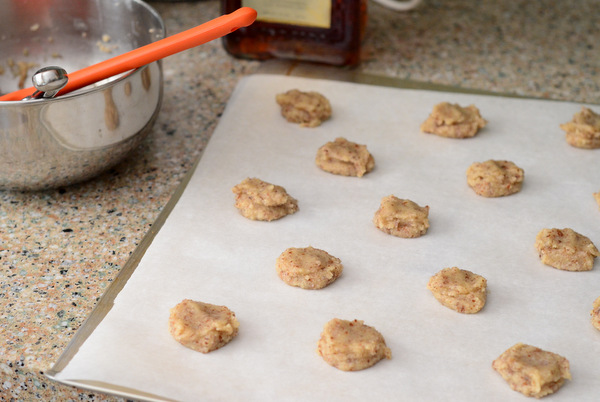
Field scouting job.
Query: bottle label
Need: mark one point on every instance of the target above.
(312, 13)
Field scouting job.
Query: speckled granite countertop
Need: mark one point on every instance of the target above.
(61, 249)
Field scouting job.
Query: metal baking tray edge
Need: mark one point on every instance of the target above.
(106, 302)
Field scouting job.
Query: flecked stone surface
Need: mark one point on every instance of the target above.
(545, 48)
(61, 249)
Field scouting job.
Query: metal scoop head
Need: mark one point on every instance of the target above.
(47, 82)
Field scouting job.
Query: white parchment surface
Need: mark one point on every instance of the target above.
(208, 252)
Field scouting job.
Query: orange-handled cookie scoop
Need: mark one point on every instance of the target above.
(139, 57)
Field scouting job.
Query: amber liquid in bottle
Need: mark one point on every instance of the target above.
(309, 30)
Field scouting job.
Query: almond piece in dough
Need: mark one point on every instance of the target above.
(595, 313)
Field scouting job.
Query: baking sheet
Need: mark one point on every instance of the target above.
(207, 251)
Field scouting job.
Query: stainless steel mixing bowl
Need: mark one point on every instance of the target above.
(49, 143)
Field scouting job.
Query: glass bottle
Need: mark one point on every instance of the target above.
(324, 31)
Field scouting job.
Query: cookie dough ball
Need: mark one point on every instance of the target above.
(459, 289)
(262, 201)
(309, 109)
(595, 314)
(351, 345)
(345, 158)
(584, 130)
(597, 197)
(453, 121)
(308, 268)
(565, 249)
(532, 371)
(402, 218)
(201, 326)
(495, 178)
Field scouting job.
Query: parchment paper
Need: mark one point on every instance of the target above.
(207, 251)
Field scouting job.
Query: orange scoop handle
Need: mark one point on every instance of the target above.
(141, 56)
